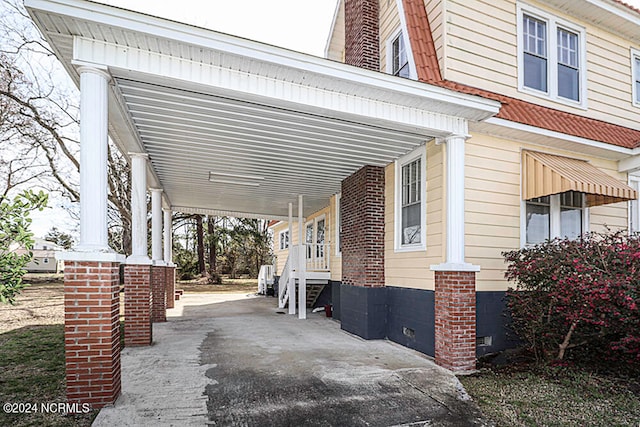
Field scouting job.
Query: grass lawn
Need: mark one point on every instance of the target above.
(533, 396)
(33, 372)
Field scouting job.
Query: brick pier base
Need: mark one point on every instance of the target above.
(158, 291)
(455, 318)
(137, 305)
(170, 277)
(92, 332)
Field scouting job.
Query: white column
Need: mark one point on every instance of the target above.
(293, 254)
(93, 160)
(290, 223)
(455, 199)
(455, 241)
(302, 267)
(139, 250)
(168, 237)
(156, 226)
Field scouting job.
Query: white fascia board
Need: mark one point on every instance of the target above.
(617, 10)
(476, 107)
(116, 57)
(558, 135)
(630, 164)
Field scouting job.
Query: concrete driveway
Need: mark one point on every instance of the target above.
(230, 359)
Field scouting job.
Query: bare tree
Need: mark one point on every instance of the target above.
(39, 124)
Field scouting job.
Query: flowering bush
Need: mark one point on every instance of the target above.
(578, 295)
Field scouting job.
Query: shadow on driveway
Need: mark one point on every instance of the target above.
(233, 360)
(271, 369)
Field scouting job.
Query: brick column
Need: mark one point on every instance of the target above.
(362, 239)
(92, 332)
(362, 294)
(455, 318)
(170, 277)
(158, 294)
(137, 305)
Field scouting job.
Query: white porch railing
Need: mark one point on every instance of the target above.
(265, 277)
(283, 283)
(317, 261)
(318, 256)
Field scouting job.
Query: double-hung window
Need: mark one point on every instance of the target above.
(551, 57)
(410, 201)
(399, 64)
(284, 240)
(635, 72)
(559, 215)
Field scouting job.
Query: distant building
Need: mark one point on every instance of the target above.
(45, 258)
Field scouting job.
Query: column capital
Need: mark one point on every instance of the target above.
(95, 69)
(457, 136)
(133, 154)
(156, 190)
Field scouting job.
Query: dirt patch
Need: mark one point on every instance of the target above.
(227, 286)
(38, 304)
(42, 302)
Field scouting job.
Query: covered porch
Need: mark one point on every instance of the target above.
(218, 125)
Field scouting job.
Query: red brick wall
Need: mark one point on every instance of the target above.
(137, 305)
(362, 239)
(455, 318)
(158, 291)
(170, 277)
(92, 332)
(362, 39)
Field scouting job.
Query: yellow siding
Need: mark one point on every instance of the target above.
(436, 23)
(336, 257)
(493, 205)
(411, 269)
(281, 256)
(329, 213)
(481, 51)
(389, 24)
(335, 44)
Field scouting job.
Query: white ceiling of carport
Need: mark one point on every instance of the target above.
(275, 123)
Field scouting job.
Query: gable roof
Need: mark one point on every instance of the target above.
(512, 109)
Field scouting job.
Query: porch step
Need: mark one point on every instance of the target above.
(313, 292)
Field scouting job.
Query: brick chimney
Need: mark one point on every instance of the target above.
(362, 40)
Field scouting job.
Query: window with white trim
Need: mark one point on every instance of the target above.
(410, 199)
(558, 215)
(551, 56)
(284, 240)
(635, 72)
(399, 59)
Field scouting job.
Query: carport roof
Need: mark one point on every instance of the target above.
(237, 127)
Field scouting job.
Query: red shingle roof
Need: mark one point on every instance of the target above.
(512, 109)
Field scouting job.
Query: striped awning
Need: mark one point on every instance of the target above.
(546, 174)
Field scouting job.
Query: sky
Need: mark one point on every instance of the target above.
(301, 25)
